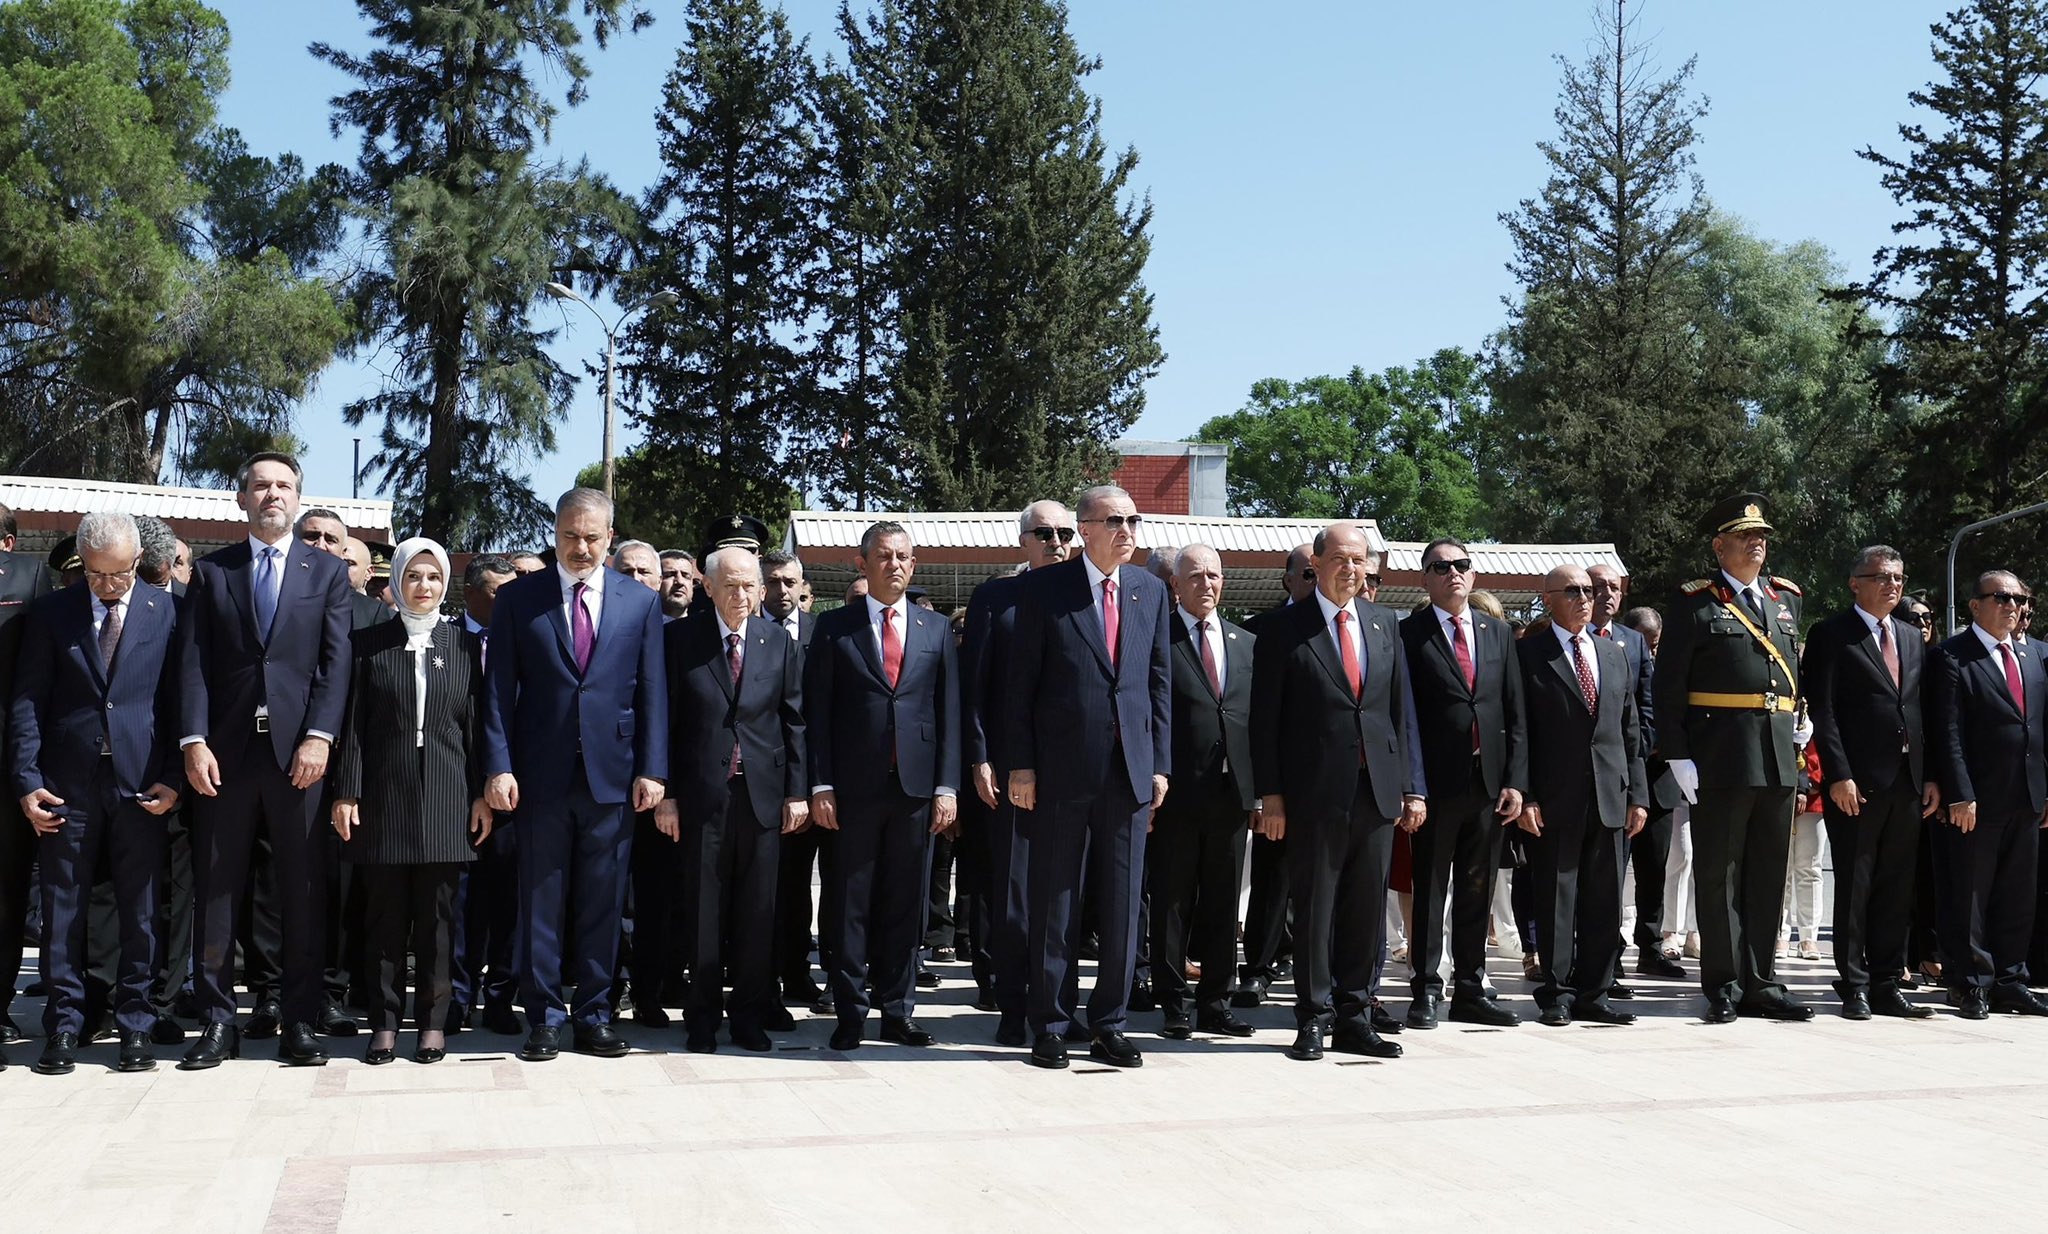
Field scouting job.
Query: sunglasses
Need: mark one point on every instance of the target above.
(1912, 619)
(1046, 535)
(2002, 597)
(1372, 580)
(1462, 565)
(1119, 522)
(1573, 593)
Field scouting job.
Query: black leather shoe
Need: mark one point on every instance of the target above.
(60, 1055)
(1308, 1044)
(801, 993)
(1142, 998)
(264, 1021)
(699, 1039)
(1177, 1026)
(1115, 1049)
(599, 1041)
(1557, 1015)
(1251, 993)
(1720, 1011)
(298, 1047)
(2017, 1000)
(1620, 991)
(1783, 1009)
(650, 1014)
(846, 1038)
(542, 1044)
(984, 999)
(428, 1055)
(501, 1020)
(1971, 1003)
(1283, 968)
(10, 1032)
(1422, 1011)
(334, 1022)
(775, 1018)
(752, 1037)
(905, 1032)
(138, 1052)
(1482, 1011)
(1010, 1031)
(1353, 1040)
(1886, 1001)
(1855, 1005)
(1049, 1052)
(1600, 1013)
(377, 1055)
(217, 1043)
(1222, 1023)
(167, 1031)
(1652, 962)
(926, 978)
(455, 1021)
(1383, 1021)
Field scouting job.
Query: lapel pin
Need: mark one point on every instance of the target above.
(440, 663)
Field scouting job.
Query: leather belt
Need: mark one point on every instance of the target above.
(1742, 702)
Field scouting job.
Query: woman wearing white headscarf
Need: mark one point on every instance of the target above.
(408, 793)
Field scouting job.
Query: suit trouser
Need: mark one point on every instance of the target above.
(979, 901)
(730, 865)
(17, 860)
(1875, 855)
(1650, 852)
(1196, 854)
(1269, 914)
(98, 819)
(1337, 867)
(938, 913)
(661, 916)
(1457, 856)
(348, 938)
(1575, 869)
(1986, 905)
(1098, 842)
(1923, 943)
(259, 930)
(1741, 840)
(800, 852)
(573, 854)
(174, 920)
(410, 904)
(876, 900)
(486, 964)
(256, 802)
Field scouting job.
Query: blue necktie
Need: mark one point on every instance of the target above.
(266, 592)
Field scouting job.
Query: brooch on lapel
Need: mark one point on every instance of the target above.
(440, 663)
(1230, 634)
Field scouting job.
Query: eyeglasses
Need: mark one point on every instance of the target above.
(1887, 577)
(1119, 522)
(1573, 593)
(1046, 535)
(2001, 597)
(1463, 565)
(1372, 580)
(110, 576)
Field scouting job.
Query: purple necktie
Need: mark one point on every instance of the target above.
(582, 635)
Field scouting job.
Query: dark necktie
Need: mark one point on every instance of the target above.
(892, 648)
(1110, 619)
(1587, 687)
(266, 591)
(1755, 606)
(1887, 649)
(1209, 658)
(582, 634)
(110, 635)
(2012, 678)
(732, 662)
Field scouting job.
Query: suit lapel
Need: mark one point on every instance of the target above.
(1561, 662)
(1614, 681)
(1322, 645)
(148, 613)
(868, 638)
(241, 578)
(718, 664)
(1868, 645)
(560, 621)
(1089, 619)
(88, 646)
(1237, 663)
(1992, 671)
(1440, 645)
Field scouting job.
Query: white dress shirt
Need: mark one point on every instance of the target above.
(1991, 644)
(1214, 638)
(1095, 578)
(1584, 638)
(284, 551)
(793, 624)
(99, 612)
(902, 610)
(1443, 626)
(725, 633)
(593, 595)
(1356, 636)
(1756, 589)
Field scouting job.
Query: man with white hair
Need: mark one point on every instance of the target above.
(637, 560)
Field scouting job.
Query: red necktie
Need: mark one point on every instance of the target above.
(1109, 617)
(1349, 651)
(2012, 678)
(732, 661)
(1580, 650)
(1209, 658)
(1605, 632)
(1890, 650)
(1464, 653)
(892, 648)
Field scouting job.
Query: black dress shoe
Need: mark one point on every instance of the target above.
(1142, 998)
(1308, 1044)
(167, 1031)
(377, 1055)
(1222, 1023)
(700, 1038)
(1782, 1009)
(599, 1041)
(1620, 991)
(542, 1044)
(217, 1043)
(824, 1006)
(1556, 1015)
(1971, 1003)
(1177, 1026)
(1382, 1020)
(334, 1022)
(138, 1052)
(650, 1014)
(1720, 1011)
(429, 1054)
(1251, 993)
(1652, 962)
(1856, 1005)
(752, 1037)
(905, 1032)
(1115, 1049)
(776, 1019)
(926, 978)
(2017, 1000)
(1482, 1011)
(501, 1020)
(298, 1047)
(1600, 1013)
(455, 1021)
(1283, 968)
(1886, 1001)
(264, 1021)
(60, 1055)
(1049, 1052)
(985, 999)
(801, 993)
(847, 1037)
(1351, 1039)
(10, 1032)
(1010, 1031)
(1422, 1011)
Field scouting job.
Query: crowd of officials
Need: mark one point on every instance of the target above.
(248, 773)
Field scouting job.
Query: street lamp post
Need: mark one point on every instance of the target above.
(660, 299)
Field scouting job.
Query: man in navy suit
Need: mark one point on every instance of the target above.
(93, 758)
(1988, 705)
(22, 579)
(882, 694)
(575, 733)
(1088, 707)
(1650, 847)
(263, 655)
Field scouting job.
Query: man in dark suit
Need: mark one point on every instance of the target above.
(1468, 712)
(803, 851)
(882, 694)
(782, 586)
(90, 744)
(998, 858)
(1863, 682)
(1336, 771)
(1588, 794)
(1650, 848)
(264, 680)
(1988, 705)
(736, 763)
(1727, 687)
(575, 734)
(487, 921)
(1198, 837)
(678, 582)
(1268, 927)
(22, 579)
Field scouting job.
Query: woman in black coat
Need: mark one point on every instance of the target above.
(409, 793)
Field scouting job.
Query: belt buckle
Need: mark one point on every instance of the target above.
(1770, 700)
(262, 724)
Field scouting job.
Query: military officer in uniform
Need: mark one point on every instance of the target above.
(1727, 690)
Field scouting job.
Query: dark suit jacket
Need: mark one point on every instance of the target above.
(1578, 759)
(22, 579)
(1707, 650)
(1307, 729)
(984, 661)
(857, 722)
(1642, 670)
(1209, 732)
(1446, 708)
(414, 802)
(540, 712)
(766, 719)
(227, 669)
(1078, 722)
(364, 612)
(1985, 750)
(66, 707)
(1860, 719)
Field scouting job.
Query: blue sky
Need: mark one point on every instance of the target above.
(1326, 174)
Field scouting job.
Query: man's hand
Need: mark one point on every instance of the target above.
(647, 794)
(347, 817)
(40, 816)
(825, 809)
(1638, 818)
(985, 784)
(1843, 793)
(796, 815)
(202, 769)
(159, 798)
(1414, 813)
(1509, 805)
(1963, 816)
(481, 821)
(309, 763)
(1686, 775)
(668, 820)
(1024, 790)
(1531, 819)
(501, 792)
(1930, 799)
(1158, 791)
(945, 815)
(1802, 731)
(1271, 819)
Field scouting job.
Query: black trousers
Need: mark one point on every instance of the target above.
(17, 862)
(411, 907)
(487, 922)
(1875, 854)
(730, 862)
(662, 916)
(257, 802)
(1337, 867)
(801, 853)
(1650, 850)
(1099, 843)
(1575, 879)
(348, 978)
(100, 821)
(976, 890)
(1457, 855)
(260, 931)
(174, 920)
(1196, 855)
(1923, 942)
(1741, 840)
(938, 913)
(876, 901)
(1269, 914)
(1986, 904)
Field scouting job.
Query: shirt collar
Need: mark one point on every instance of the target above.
(725, 632)
(1095, 576)
(1869, 622)
(875, 607)
(1444, 615)
(283, 547)
(1193, 621)
(100, 606)
(1330, 608)
(1566, 637)
(1757, 586)
(569, 581)
(1984, 636)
